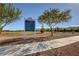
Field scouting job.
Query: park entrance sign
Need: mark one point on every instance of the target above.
(29, 24)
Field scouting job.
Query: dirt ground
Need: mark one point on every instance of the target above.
(33, 37)
(69, 50)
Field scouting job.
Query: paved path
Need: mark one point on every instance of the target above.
(25, 49)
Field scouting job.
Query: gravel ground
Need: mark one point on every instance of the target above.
(36, 37)
(30, 48)
(69, 50)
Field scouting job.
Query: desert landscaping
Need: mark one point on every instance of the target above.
(21, 45)
(50, 30)
(29, 37)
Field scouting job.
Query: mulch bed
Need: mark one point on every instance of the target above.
(69, 50)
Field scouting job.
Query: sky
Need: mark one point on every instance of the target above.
(34, 10)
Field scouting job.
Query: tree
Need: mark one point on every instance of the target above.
(54, 16)
(8, 14)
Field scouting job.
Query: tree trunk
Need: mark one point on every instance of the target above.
(51, 31)
(0, 30)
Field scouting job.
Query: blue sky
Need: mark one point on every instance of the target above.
(35, 9)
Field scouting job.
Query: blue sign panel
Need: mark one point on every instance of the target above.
(29, 25)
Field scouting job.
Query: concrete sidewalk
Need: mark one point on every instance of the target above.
(25, 49)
